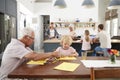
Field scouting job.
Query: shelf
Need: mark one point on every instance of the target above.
(75, 24)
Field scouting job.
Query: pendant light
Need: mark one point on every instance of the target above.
(60, 3)
(88, 3)
(114, 4)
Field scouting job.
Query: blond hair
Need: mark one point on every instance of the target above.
(87, 35)
(66, 39)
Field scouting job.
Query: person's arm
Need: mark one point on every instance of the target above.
(96, 40)
(81, 40)
(48, 33)
(40, 56)
(74, 54)
(91, 41)
(56, 33)
(74, 34)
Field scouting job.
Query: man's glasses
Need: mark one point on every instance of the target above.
(31, 37)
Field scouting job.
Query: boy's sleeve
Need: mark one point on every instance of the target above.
(73, 50)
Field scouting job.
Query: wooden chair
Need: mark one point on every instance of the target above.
(103, 73)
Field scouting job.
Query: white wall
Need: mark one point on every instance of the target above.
(38, 33)
(28, 4)
(74, 10)
(25, 8)
(103, 4)
(78, 31)
(23, 13)
(70, 13)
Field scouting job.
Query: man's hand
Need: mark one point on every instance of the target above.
(55, 54)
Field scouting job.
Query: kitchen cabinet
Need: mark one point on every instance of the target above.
(8, 22)
(2, 6)
(8, 30)
(8, 7)
(11, 7)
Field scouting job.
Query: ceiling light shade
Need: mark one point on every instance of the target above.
(60, 3)
(114, 4)
(88, 3)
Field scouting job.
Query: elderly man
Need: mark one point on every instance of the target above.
(17, 51)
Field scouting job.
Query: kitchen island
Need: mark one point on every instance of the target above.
(52, 44)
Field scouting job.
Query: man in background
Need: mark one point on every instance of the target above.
(104, 39)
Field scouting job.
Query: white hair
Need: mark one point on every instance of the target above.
(27, 31)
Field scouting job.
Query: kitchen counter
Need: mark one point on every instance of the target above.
(58, 41)
(53, 44)
(77, 41)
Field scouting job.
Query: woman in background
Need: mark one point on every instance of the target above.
(71, 31)
(52, 32)
(66, 49)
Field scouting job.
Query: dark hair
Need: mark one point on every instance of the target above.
(101, 26)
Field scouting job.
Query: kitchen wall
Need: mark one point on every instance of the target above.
(27, 4)
(103, 4)
(78, 31)
(24, 14)
(70, 13)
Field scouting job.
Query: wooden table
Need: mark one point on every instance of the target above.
(48, 71)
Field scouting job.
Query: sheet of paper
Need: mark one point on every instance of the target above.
(100, 63)
(66, 66)
(40, 62)
(67, 58)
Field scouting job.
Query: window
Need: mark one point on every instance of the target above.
(107, 28)
(114, 26)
